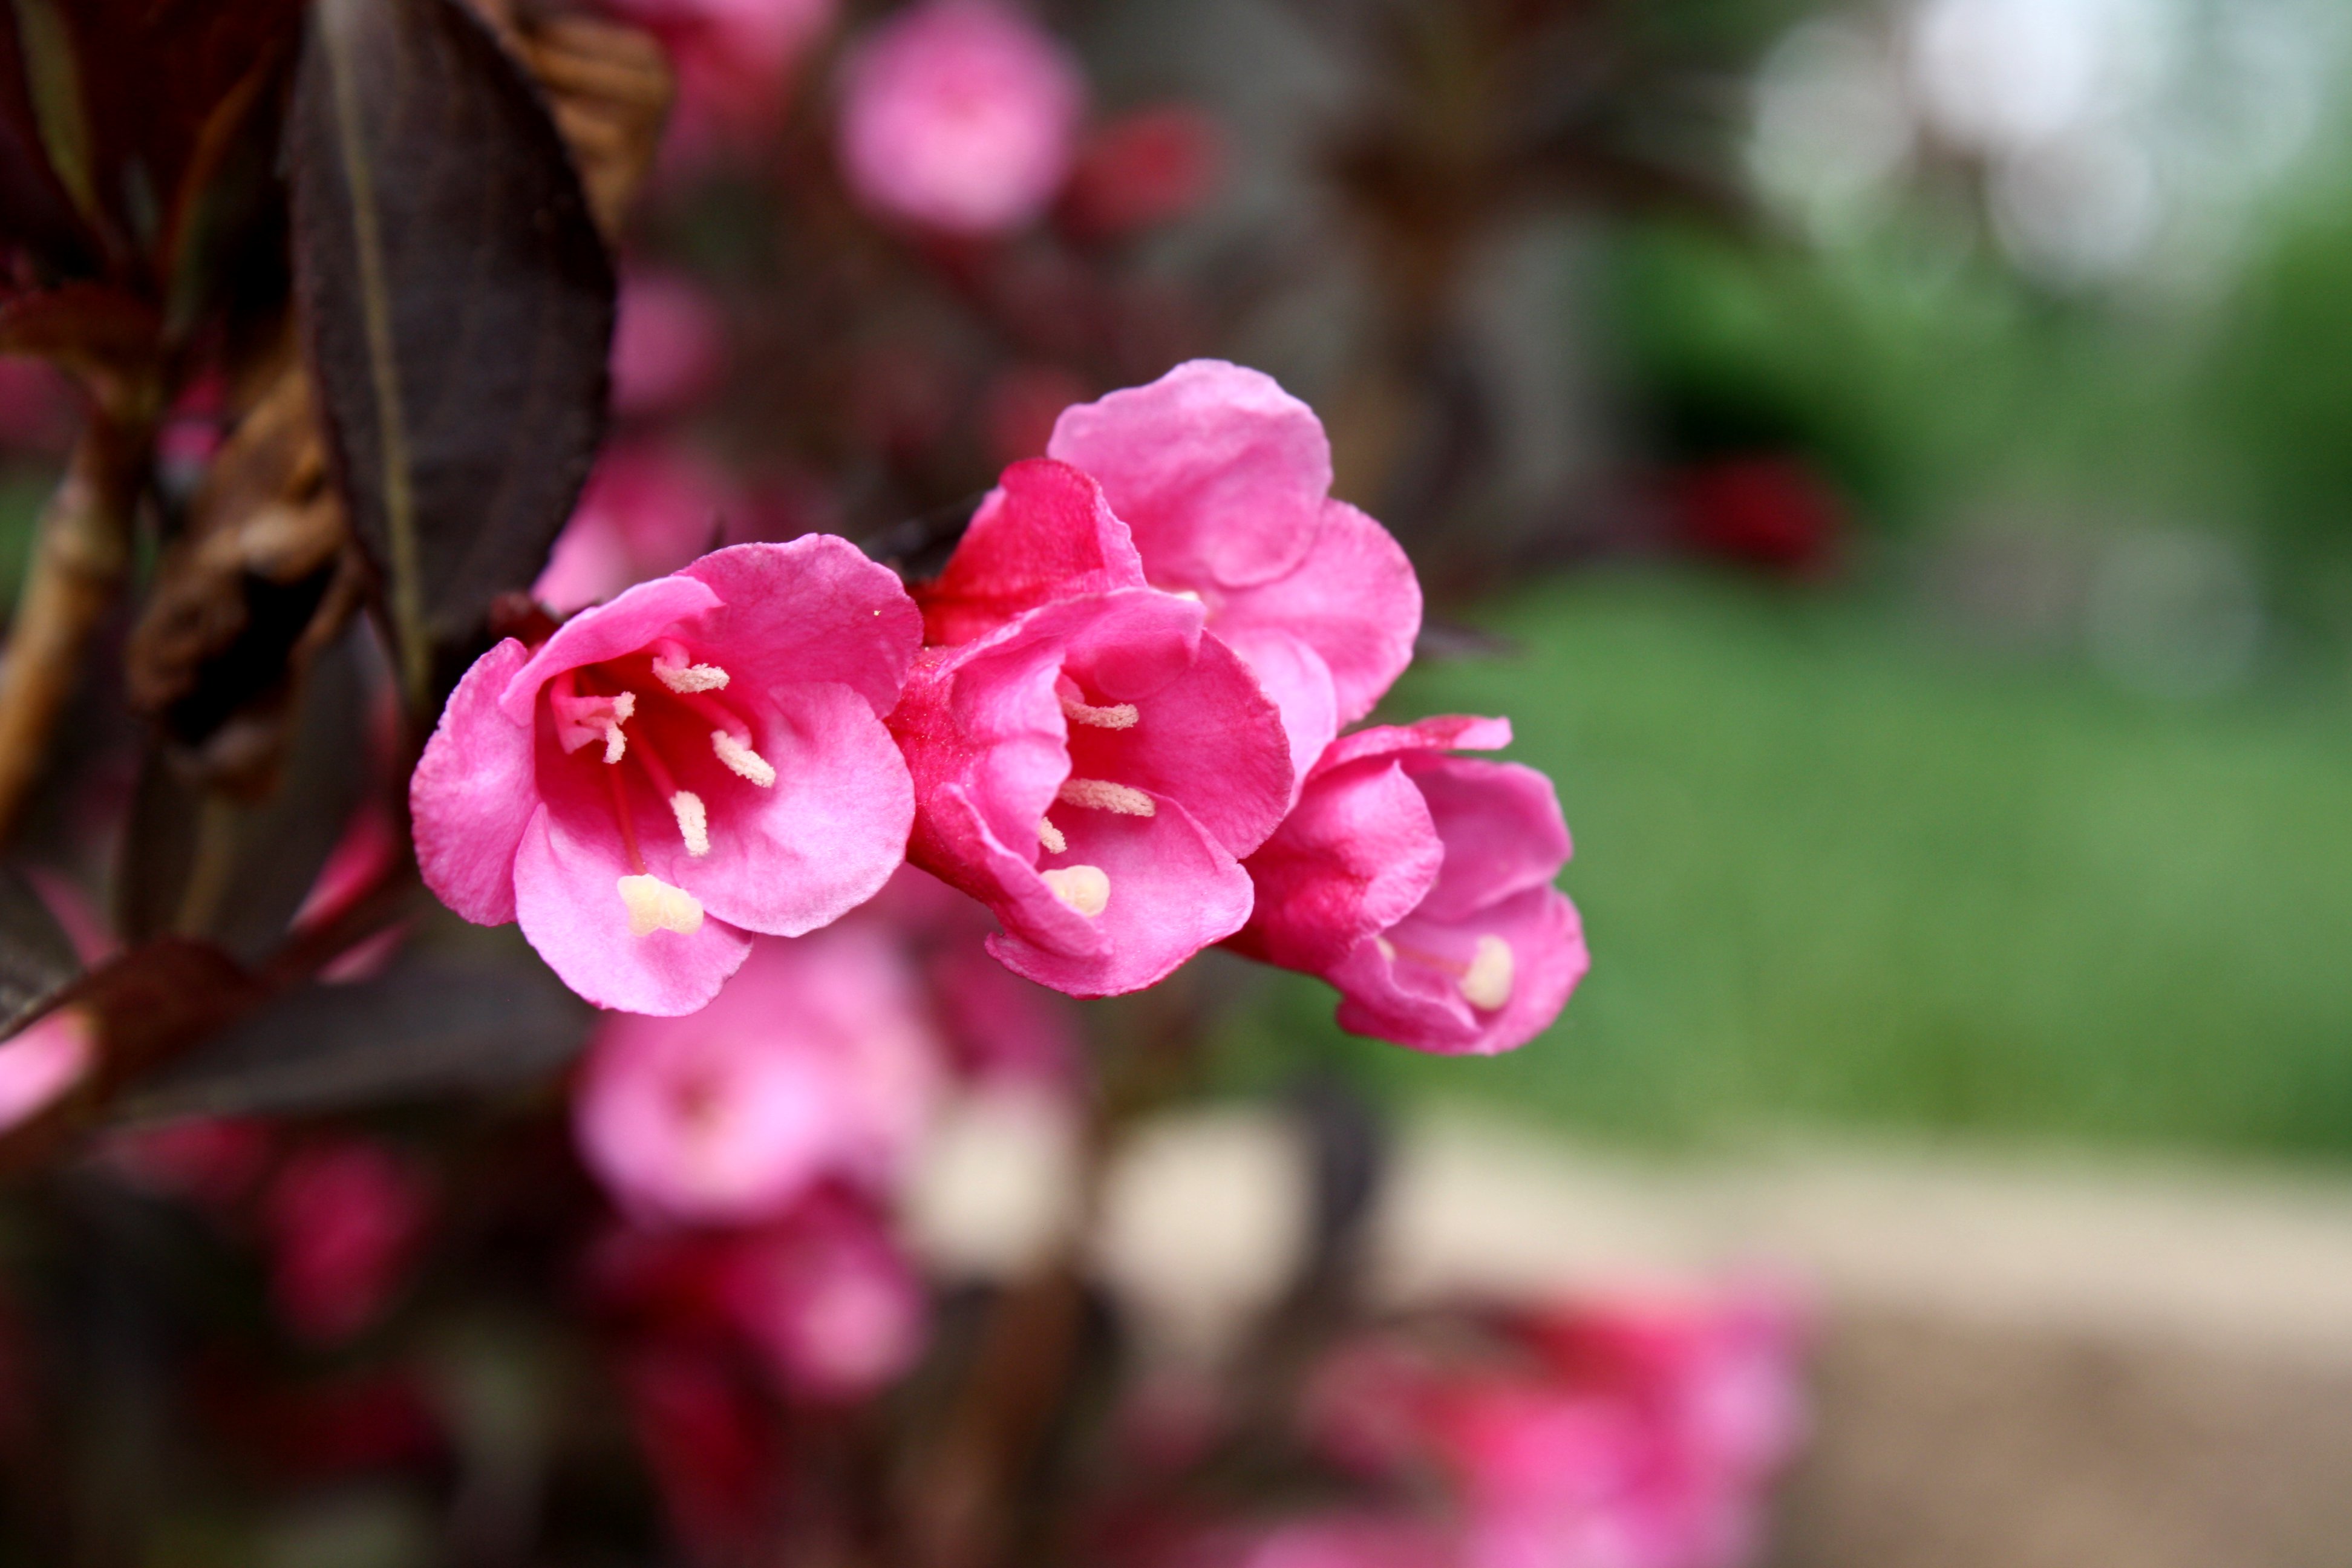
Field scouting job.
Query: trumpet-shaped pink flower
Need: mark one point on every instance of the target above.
(699, 759)
(961, 116)
(1223, 481)
(1420, 885)
(815, 1065)
(1093, 769)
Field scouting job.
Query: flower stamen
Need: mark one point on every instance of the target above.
(1051, 836)
(1086, 888)
(1116, 716)
(741, 760)
(693, 822)
(675, 668)
(1101, 795)
(654, 905)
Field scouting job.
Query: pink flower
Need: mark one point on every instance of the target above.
(667, 344)
(827, 1302)
(1223, 481)
(647, 510)
(1091, 769)
(998, 1028)
(40, 1063)
(714, 1450)
(961, 116)
(344, 1221)
(1420, 885)
(708, 743)
(814, 1066)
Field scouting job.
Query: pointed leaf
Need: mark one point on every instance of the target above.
(457, 303)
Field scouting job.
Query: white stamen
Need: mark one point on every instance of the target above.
(693, 822)
(1388, 948)
(685, 677)
(1099, 794)
(580, 720)
(1119, 716)
(1051, 836)
(1086, 888)
(743, 760)
(654, 905)
(1486, 983)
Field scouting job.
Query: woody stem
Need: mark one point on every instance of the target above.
(81, 555)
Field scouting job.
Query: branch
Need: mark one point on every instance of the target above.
(80, 557)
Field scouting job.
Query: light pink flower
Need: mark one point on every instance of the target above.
(961, 116)
(647, 510)
(1420, 885)
(669, 347)
(1224, 481)
(42, 1061)
(345, 1222)
(1092, 769)
(707, 744)
(814, 1065)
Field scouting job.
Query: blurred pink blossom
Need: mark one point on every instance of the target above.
(1142, 170)
(998, 1027)
(828, 1301)
(208, 1159)
(814, 1065)
(707, 743)
(714, 1451)
(1420, 885)
(647, 510)
(736, 61)
(44, 1060)
(669, 343)
(345, 1222)
(960, 116)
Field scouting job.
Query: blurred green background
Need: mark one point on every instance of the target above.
(2030, 818)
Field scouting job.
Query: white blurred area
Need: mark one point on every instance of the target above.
(2105, 138)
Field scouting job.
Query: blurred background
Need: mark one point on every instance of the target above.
(1892, 461)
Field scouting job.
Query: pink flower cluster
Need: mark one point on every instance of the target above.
(1115, 719)
(1638, 1434)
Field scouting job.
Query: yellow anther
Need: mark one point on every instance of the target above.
(1101, 795)
(653, 905)
(1086, 888)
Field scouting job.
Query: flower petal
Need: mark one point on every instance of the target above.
(473, 794)
(567, 899)
(1044, 532)
(1355, 856)
(633, 618)
(1502, 826)
(814, 609)
(1221, 475)
(1413, 1003)
(1353, 599)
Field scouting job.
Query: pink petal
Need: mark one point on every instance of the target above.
(1353, 599)
(567, 897)
(973, 857)
(1415, 1005)
(813, 610)
(1502, 826)
(1452, 732)
(1220, 473)
(473, 792)
(1355, 856)
(1173, 891)
(1044, 532)
(632, 620)
(818, 843)
(1295, 679)
(1208, 738)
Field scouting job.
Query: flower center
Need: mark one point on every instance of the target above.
(1485, 981)
(1087, 888)
(609, 704)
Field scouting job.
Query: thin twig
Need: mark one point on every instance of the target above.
(80, 557)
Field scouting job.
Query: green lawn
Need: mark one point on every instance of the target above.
(1834, 871)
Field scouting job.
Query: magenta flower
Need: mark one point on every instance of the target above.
(815, 1065)
(736, 61)
(1420, 885)
(827, 1302)
(1224, 481)
(344, 1221)
(669, 343)
(699, 759)
(1093, 769)
(960, 116)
